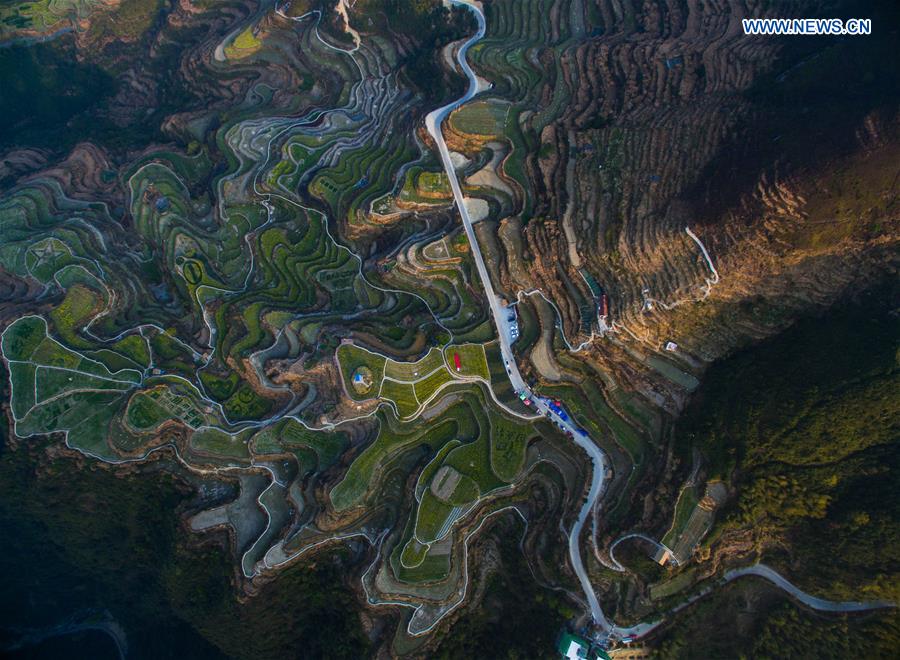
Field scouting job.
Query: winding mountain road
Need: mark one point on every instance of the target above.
(636, 535)
(763, 571)
(433, 123)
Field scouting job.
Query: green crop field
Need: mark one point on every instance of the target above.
(219, 387)
(214, 442)
(51, 382)
(483, 118)
(144, 414)
(79, 305)
(435, 464)
(434, 566)
(244, 44)
(409, 371)
(245, 403)
(350, 358)
(413, 554)
(113, 360)
(359, 176)
(474, 460)
(22, 338)
(508, 443)
(46, 258)
(431, 517)
(364, 471)
(425, 187)
(52, 353)
(402, 394)
(170, 354)
(231, 259)
(85, 415)
(466, 491)
(327, 446)
(687, 500)
(470, 456)
(43, 14)
(21, 377)
(472, 358)
(433, 185)
(426, 387)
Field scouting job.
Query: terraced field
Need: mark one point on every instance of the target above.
(460, 475)
(45, 15)
(245, 44)
(409, 386)
(276, 296)
(231, 251)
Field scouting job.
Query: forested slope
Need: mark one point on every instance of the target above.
(804, 427)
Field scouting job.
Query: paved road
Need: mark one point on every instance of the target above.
(499, 312)
(636, 535)
(433, 123)
(763, 571)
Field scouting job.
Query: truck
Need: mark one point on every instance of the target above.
(457, 362)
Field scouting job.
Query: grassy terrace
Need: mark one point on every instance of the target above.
(392, 439)
(514, 27)
(359, 176)
(218, 443)
(413, 554)
(482, 118)
(469, 472)
(426, 387)
(298, 268)
(57, 389)
(472, 360)
(144, 413)
(475, 449)
(244, 44)
(500, 380)
(350, 358)
(588, 404)
(508, 443)
(409, 384)
(205, 285)
(430, 470)
(402, 394)
(510, 57)
(589, 408)
(170, 354)
(327, 446)
(47, 15)
(445, 290)
(434, 566)
(461, 438)
(85, 298)
(425, 187)
(687, 500)
(45, 258)
(432, 517)
(473, 460)
(410, 371)
(176, 222)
